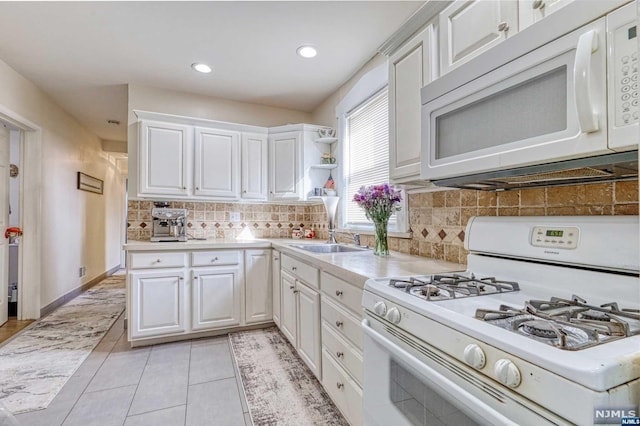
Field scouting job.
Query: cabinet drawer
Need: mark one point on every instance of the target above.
(344, 323)
(156, 260)
(215, 257)
(305, 272)
(341, 291)
(344, 392)
(347, 356)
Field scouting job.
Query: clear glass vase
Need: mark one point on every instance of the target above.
(381, 245)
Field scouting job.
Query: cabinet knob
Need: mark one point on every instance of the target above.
(184, 187)
(538, 4)
(214, 259)
(244, 192)
(180, 278)
(197, 188)
(276, 258)
(503, 27)
(291, 287)
(339, 385)
(158, 260)
(339, 354)
(339, 324)
(293, 268)
(296, 291)
(338, 293)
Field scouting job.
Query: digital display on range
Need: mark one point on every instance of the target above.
(631, 32)
(554, 233)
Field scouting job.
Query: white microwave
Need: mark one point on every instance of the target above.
(572, 98)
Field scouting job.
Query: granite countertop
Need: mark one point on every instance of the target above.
(355, 267)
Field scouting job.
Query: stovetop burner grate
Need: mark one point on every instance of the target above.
(443, 287)
(567, 324)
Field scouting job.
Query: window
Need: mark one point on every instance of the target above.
(366, 149)
(364, 138)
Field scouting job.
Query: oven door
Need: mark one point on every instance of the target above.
(548, 105)
(406, 382)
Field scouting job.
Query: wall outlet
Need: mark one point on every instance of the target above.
(82, 271)
(234, 216)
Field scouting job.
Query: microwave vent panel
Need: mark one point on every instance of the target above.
(582, 173)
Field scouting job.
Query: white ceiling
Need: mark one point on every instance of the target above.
(83, 54)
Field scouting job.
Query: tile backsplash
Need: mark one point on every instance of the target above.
(437, 219)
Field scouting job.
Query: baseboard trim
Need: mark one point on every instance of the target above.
(75, 292)
(198, 335)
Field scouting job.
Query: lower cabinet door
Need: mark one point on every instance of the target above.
(216, 297)
(288, 307)
(258, 292)
(309, 327)
(157, 303)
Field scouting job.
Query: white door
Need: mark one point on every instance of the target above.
(288, 306)
(275, 270)
(215, 300)
(158, 303)
(468, 28)
(410, 68)
(217, 163)
(309, 327)
(285, 179)
(254, 154)
(4, 222)
(164, 158)
(258, 293)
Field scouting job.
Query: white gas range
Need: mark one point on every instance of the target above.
(542, 328)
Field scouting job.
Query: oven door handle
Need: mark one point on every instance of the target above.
(437, 380)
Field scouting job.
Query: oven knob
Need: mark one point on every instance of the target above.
(393, 315)
(507, 373)
(474, 356)
(380, 308)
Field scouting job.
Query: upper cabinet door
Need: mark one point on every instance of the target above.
(410, 68)
(532, 11)
(468, 28)
(217, 163)
(164, 158)
(254, 155)
(285, 178)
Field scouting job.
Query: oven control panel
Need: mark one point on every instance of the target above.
(559, 237)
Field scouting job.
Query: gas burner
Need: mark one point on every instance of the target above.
(540, 328)
(453, 286)
(567, 324)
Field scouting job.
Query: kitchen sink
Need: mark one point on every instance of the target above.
(328, 248)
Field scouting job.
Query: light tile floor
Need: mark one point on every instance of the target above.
(185, 383)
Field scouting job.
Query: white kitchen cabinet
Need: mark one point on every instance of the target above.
(157, 302)
(217, 163)
(411, 67)
(532, 11)
(300, 310)
(258, 291)
(309, 326)
(285, 168)
(216, 297)
(164, 159)
(288, 307)
(275, 280)
(468, 28)
(254, 154)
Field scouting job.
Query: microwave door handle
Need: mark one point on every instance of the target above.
(587, 44)
(437, 380)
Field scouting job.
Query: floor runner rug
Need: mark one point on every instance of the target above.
(38, 362)
(279, 388)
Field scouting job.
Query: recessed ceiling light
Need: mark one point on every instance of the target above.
(307, 51)
(200, 67)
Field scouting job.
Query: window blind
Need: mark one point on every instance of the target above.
(367, 152)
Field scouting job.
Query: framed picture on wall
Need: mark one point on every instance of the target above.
(89, 183)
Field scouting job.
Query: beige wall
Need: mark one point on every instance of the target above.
(78, 228)
(325, 113)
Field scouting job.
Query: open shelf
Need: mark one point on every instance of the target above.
(326, 140)
(324, 166)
